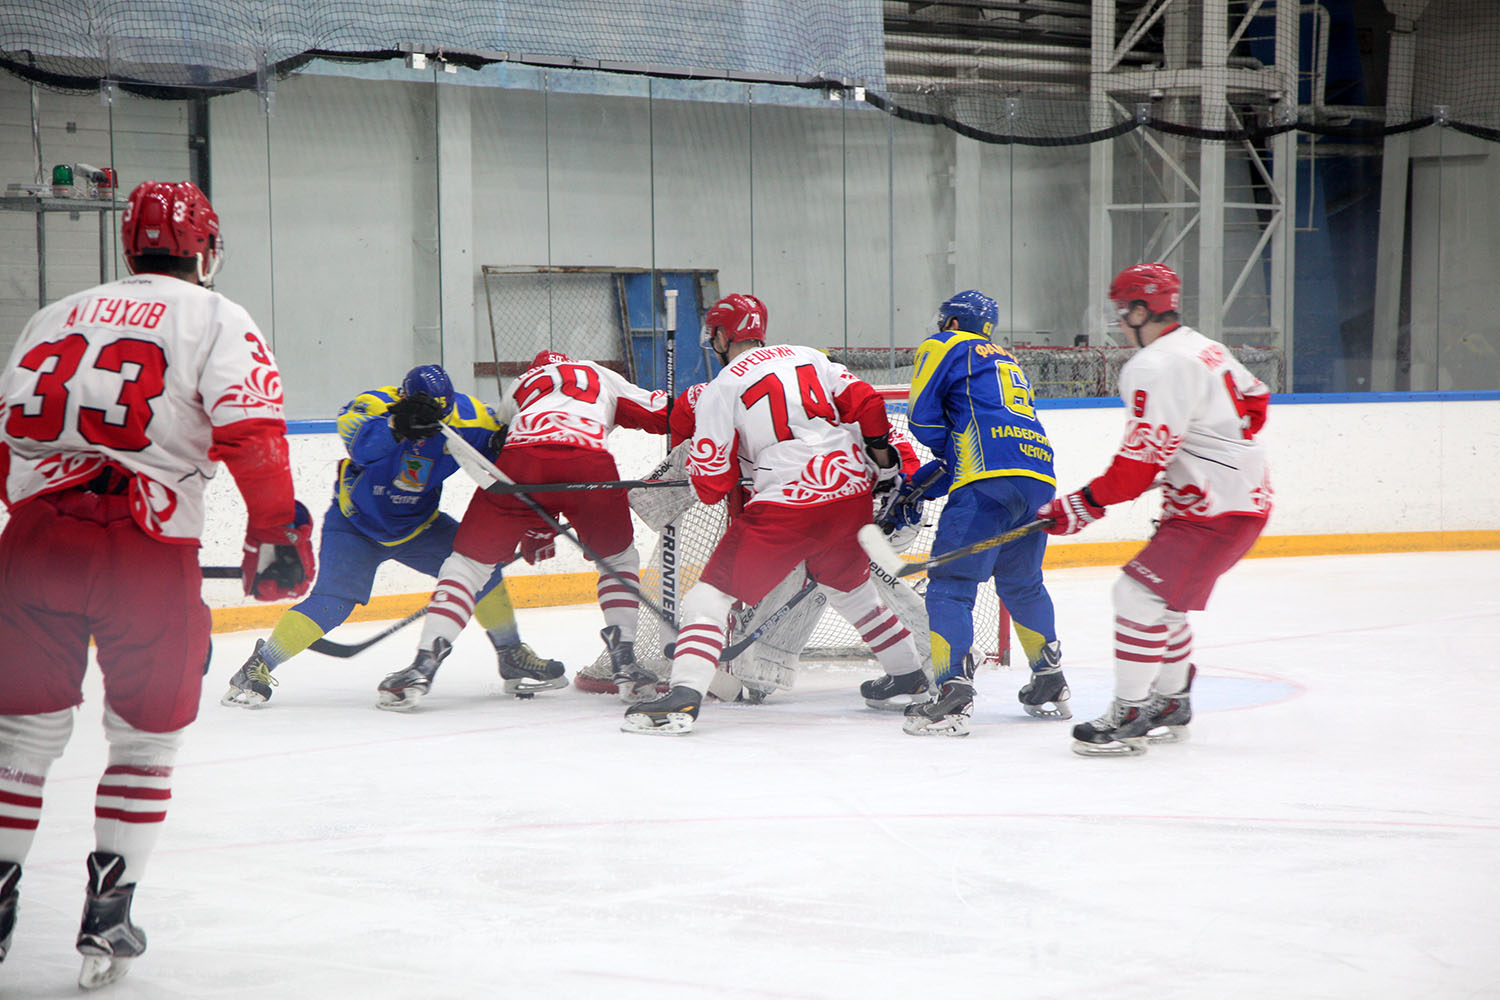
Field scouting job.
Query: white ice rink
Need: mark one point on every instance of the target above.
(1332, 830)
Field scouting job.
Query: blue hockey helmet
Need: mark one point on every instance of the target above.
(430, 381)
(975, 311)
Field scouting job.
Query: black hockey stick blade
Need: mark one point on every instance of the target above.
(330, 648)
(874, 542)
(221, 572)
(617, 484)
(739, 647)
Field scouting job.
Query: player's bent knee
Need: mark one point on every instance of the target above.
(1133, 600)
(706, 603)
(30, 743)
(129, 745)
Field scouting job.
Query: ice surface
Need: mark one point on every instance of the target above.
(1332, 830)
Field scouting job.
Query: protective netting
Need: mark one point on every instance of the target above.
(1028, 72)
(1017, 71)
(1054, 372)
(699, 531)
(233, 43)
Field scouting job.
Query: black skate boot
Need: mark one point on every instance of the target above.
(1047, 686)
(251, 685)
(401, 691)
(946, 715)
(525, 673)
(1168, 715)
(634, 681)
(894, 693)
(670, 715)
(10, 875)
(107, 940)
(1119, 732)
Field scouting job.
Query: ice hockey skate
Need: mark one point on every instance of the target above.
(107, 940)
(1119, 732)
(251, 685)
(946, 715)
(633, 681)
(1046, 695)
(1168, 715)
(10, 875)
(894, 694)
(525, 673)
(401, 691)
(670, 715)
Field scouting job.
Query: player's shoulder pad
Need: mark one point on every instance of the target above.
(470, 412)
(371, 402)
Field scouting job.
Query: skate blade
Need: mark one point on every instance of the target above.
(101, 970)
(1060, 710)
(1167, 734)
(525, 687)
(942, 727)
(893, 704)
(671, 724)
(1133, 747)
(235, 698)
(392, 702)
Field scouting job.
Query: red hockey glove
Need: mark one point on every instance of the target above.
(1070, 514)
(279, 564)
(538, 544)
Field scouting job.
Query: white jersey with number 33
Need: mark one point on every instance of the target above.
(137, 372)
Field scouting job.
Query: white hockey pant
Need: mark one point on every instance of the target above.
(1153, 644)
(878, 626)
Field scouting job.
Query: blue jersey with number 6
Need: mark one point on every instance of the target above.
(971, 404)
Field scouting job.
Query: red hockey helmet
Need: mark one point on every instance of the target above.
(1157, 285)
(743, 317)
(547, 356)
(172, 220)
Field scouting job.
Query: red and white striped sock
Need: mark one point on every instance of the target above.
(697, 654)
(130, 805)
(618, 603)
(1176, 661)
(20, 811)
(1138, 655)
(878, 626)
(448, 611)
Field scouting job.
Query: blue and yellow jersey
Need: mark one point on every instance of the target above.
(389, 489)
(971, 404)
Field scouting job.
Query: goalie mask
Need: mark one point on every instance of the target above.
(742, 317)
(430, 381)
(163, 219)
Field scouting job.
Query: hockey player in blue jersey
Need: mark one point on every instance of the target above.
(386, 507)
(971, 404)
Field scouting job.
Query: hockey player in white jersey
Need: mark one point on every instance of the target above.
(1193, 416)
(559, 415)
(117, 403)
(777, 414)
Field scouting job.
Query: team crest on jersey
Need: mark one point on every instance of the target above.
(707, 458)
(416, 470)
(828, 477)
(260, 390)
(1150, 443)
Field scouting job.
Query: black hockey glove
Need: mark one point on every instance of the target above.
(415, 418)
(497, 441)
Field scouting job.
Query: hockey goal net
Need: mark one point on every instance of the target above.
(833, 638)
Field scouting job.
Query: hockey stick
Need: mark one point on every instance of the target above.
(912, 499)
(764, 627)
(668, 568)
(615, 484)
(330, 648)
(221, 572)
(873, 540)
(483, 471)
